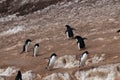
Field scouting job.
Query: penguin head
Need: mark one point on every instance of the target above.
(53, 54)
(37, 44)
(86, 52)
(19, 73)
(28, 40)
(67, 26)
(78, 37)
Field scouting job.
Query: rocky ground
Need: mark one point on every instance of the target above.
(97, 20)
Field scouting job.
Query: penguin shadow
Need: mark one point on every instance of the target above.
(82, 49)
(24, 53)
(30, 50)
(41, 54)
(86, 67)
(51, 69)
(38, 55)
(72, 38)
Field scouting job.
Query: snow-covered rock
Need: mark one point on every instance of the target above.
(106, 72)
(58, 76)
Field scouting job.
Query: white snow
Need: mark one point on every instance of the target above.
(95, 59)
(11, 71)
(70, 61)
(13, 30)
(10, 18)
(106, 72)
(58, 76)
(28, 75)
(4, 73)
(67, 61)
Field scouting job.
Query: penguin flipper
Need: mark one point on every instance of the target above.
(65, 31)
(84, 38)
(73, 28)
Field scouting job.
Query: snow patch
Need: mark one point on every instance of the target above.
(8, 72)
(4, 73)
(95, 59)
(11, 71)
(10, 18)
(28, 75)
(100, 39)
(67, 61)
(58, 76)
(28, 1)
(106, 72)
(70, 61)
(13, 30)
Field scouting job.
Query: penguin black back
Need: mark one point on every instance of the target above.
(69, 31)
(25, 45)
(68, 27)
(19, 76)
(78, 38)
(81, 41)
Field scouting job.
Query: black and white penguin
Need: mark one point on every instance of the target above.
(80, 42)
(51, 61)
(26, 44)
(69, 32)
(83, 58)
(19, 76)
(35, 50)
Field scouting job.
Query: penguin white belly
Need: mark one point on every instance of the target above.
(67, 35)
(78, 45)
(52, 60)
(83, 59)
(26, 47)
(35, 51)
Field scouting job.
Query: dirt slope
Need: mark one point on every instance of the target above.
(97, 20)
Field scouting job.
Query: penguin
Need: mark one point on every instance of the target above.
(35, 50)
(69, 32)
(83, 58)
(19, 76)
(51, 61)
(26, 44)
(118, 31)
(80, 42)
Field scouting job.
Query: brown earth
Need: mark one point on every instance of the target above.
(98, 23)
